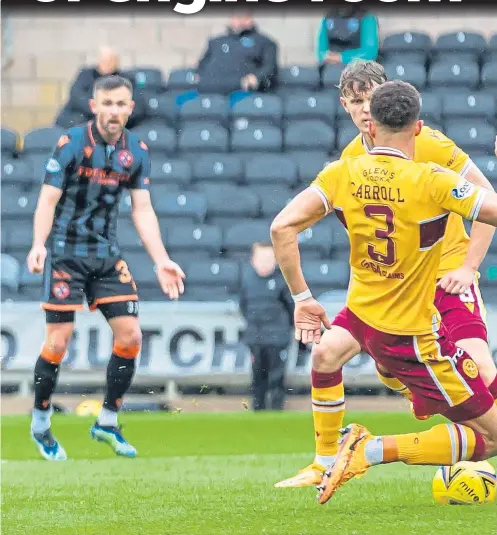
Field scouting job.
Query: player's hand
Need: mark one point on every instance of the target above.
(36, 258)
(457, 281)
(308, 317)
(171, 277)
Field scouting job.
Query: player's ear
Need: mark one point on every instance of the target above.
(93, 106)
(343, 102)
(372, 129)
(419, 126)
(132, 106)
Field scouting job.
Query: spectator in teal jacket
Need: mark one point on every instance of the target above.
(346, 34)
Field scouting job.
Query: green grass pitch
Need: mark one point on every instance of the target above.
(213, 474)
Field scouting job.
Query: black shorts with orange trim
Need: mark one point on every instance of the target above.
(69, 280)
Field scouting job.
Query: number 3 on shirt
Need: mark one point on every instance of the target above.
(372, 210)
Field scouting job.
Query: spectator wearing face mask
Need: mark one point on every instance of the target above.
(347, 34)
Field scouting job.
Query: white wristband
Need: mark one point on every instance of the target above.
(302, 296)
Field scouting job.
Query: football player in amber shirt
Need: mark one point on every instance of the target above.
(458, 298)
(395, 229)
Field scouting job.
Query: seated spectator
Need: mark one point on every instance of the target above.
(241, 59)
(77, 110)
(347, 34)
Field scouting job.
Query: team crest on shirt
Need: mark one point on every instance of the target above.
(125, 158)
(463, 190)
(470, 369)
(61, 290)
(53, 166)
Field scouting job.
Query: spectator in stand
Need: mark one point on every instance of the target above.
(347, 34)
(77, 110)
(240, 60)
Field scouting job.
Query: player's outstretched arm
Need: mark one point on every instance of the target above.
(459, 280)
(170, 275)
(488, 210)
(42, 225)
(302, 212)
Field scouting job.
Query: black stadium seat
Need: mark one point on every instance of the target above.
(270, 169)
(205, 137)
(466, 45)
(321, 106)
(212, 108)
(20, 234)
(146, 78)
(157, 136)
(273, 199)
(298, 78)
(37, 162)
(475, 136)
(240, 237)
(42, 140)
(214, 280)
(431, 107)
(181, 206)
(309, 135)
(468, 105)
(345, 135)
(16, 202)
(414, 73)
(128, 236)
(331, 77)
(406, 42)
(8, 142)
(198, 239)
(218, 168)
(309, 164)
(181, 79)
(454, 74)
(488, 166)
(259, 106)
(15, 171)
(170, 171)
(489, 75)
(316, 241)
(322, 275)
(230, 203)
(257, 138)
(162, 107)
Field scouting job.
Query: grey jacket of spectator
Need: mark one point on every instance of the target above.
(232, 56)
(267, 306)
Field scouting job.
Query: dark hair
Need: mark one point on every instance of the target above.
(395, 105)
(359, 77)
(108, 83)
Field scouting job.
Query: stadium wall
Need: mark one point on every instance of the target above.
(47, 51)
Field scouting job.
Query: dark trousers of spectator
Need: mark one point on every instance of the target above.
(268, 377)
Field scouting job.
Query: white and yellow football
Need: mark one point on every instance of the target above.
(465, 483)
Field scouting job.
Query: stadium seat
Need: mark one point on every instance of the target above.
(331, 77)
(157, 136)
(340, 240)
(170, 171)
(205, 137)
(196, 239)
(460, 74)
(181, 79)
(473, 136)
(489, 75)
(30, 285)
(212, 108)
(8, 142)
(488, 270)
(298, 78)
(316, 241)
(232, 202)
(142, 268)
(215, 280)
(240, 237)
(488, 166)
(268, 169)
(162, 107)
(9, 272)
(187, 206)
(15, 171)
(414, 73)
(257, 138)
(273, 199)
(322, 275)
(147, 78)
(468, 105)
(125, 204)
(345, 135)
(16, 202)
(218, 168)
(406, 42)
(42, 140)
(127, 235)
(309, 135)
(309, 164)
(259, 106)
(20, 234)
(418, 57)
(431, 107)
(319, 106)
(466, 45)
(37, 162)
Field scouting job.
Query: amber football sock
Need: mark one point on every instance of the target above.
(393, 383)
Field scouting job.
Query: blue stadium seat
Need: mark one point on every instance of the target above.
(162, 107)
(217, 280)
(218, 168)
(322, 275)
(488, 166)
(146, 78)
(469, 105)
(309, 164)
(257, 138)
(452, 74)
(489, 75)
(268, 169)
(157, 136)
(10, 271)
(212, 108)
(298, 78)
(181, 79)
(17, 202)
(231, 203)
(418, 57)
(16, 171)
(406, 42)
(345, 135)
(8, 142)
(320, 106)
(316, 241)
(273, 199)
(42, 140)
(473, 136)
(205, 137)
(197, 239)
(259, 106)
(414, 73)
(170, 171)
(331, 77)
(466, 45)
(309, 135)
(186, 206)
(431, 107)
(20, 234)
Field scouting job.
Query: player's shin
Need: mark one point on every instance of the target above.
(328, 408)
(444, 444)
(120, 372)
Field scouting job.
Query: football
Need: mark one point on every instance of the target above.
(465, 483)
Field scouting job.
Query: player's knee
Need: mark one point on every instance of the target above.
(129, 337)
(55, 348)
(324, 359)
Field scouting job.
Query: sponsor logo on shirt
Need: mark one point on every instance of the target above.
(463, 190)
(53, 166)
